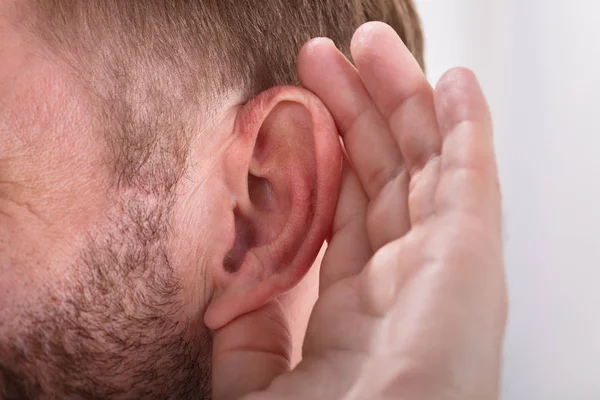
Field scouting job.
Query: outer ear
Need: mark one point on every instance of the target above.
(283, 169)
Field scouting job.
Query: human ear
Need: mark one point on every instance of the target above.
(283, 170)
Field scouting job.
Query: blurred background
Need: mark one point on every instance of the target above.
(539, 63)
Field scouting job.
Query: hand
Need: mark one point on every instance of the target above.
(412, 301)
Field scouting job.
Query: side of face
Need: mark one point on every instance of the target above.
(49, 158)
(107, 287)
(91, 304)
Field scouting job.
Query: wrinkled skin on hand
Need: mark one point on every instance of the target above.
(412, 299)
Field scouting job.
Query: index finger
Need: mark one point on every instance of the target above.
(325, 71)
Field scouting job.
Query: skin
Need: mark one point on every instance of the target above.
(411, 293)
(104, 287)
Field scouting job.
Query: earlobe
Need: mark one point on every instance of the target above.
(284, 173)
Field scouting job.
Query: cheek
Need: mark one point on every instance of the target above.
(51, 155)
(52, 180)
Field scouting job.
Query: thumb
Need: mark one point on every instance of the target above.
(250, 352)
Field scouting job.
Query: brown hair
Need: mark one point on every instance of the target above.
(155, 63)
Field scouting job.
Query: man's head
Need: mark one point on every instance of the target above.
(157, 181)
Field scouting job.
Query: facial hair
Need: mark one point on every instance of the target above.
(116, 333)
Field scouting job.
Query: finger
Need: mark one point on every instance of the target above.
(249, 353)
(367, 138)
(349, 249)
(388, 217)
(400, 90)
(469, 177)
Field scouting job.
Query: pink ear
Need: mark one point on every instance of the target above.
(285, 179)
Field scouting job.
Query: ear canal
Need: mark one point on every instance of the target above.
(244, 240)
(260, 192)
(262, 202)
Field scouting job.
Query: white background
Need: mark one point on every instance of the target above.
(539, 63)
